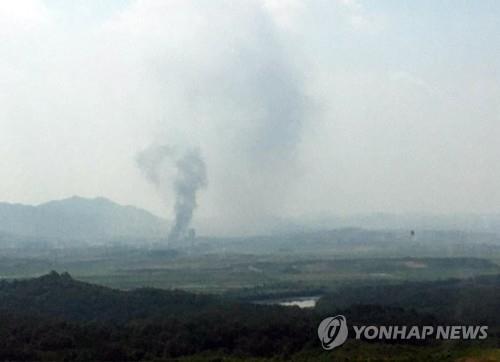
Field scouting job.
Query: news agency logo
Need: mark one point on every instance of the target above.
(332, 332)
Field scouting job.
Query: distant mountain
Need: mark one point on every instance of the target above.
(78, 218)
(277, 226)
(408, 221)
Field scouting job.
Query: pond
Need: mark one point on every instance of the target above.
(301, 302)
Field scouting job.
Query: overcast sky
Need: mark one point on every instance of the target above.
(298, 107)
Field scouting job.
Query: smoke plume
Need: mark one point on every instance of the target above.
(189, 176)
(244, 100)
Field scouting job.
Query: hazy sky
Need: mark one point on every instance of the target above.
(298, 107)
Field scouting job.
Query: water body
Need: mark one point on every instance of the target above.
(301, 302)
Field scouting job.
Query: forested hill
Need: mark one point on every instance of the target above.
(59, 295)
(55, 317)
(467, 301)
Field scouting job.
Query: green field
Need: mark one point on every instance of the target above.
(213, 273)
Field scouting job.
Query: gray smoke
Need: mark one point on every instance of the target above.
(152, 161)
(245, 96)
(190, 176)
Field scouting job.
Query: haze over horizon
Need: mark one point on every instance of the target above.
(298, 108)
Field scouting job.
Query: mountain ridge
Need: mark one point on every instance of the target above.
(79, 218)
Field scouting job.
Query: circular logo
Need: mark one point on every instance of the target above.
(332, 332)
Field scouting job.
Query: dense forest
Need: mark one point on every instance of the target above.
(55, 317)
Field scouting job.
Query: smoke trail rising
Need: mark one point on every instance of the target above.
(190, 177)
